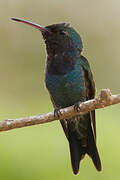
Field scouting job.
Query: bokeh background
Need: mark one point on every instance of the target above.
(41, 152)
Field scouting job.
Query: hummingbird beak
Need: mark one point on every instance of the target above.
(37, 26)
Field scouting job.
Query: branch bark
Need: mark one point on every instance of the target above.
(105, 98)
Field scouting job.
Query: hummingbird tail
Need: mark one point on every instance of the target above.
(78, 151)
(91, 149)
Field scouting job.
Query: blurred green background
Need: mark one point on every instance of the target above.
(42, 152)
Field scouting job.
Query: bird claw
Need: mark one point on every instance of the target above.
(57, 113)
(77, 106)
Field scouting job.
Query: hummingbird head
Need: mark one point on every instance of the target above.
(62, 38)
(58, 37)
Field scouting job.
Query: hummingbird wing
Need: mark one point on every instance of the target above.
(91, 89)
(77, 147)
(90, 95)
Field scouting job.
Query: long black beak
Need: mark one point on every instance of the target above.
(37, 26)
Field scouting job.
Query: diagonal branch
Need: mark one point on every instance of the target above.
(105, 98)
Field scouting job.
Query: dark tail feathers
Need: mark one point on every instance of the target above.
(77, 151)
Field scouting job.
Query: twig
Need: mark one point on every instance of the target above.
(105, 98)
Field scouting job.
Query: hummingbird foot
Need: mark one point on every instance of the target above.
(57, 113)
(77, 106)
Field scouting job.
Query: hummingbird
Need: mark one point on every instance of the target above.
(69, 81)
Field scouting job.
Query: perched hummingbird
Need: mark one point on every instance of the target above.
(69, 81)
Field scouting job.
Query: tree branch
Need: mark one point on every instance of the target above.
(105, 98)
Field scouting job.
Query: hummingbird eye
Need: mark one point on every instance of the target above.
(62, 32)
